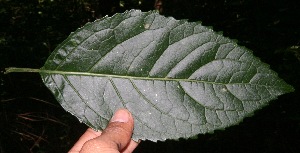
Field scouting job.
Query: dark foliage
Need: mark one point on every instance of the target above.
(32, 121)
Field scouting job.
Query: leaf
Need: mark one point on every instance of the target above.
(178, 78)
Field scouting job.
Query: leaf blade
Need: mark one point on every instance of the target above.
(177, 78)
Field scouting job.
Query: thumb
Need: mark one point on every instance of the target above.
(115, 137)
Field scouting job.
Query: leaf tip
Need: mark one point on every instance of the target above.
(289, 88)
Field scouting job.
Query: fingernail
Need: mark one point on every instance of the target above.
(120, 116)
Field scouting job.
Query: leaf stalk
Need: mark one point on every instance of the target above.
(14, 69)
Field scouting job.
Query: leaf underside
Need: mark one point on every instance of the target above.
(177, 78)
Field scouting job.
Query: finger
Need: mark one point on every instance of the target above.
(120, 128)
(116, 136)
(88, 135)
(130, 147)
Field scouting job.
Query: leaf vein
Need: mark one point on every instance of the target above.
(149, 101)
(80, 96)
(78, 45)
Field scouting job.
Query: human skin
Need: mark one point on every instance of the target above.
(115, 138)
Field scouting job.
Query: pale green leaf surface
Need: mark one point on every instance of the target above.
(177, 78)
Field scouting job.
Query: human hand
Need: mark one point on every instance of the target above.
(115, 138)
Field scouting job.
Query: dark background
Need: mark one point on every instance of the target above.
(31, 120)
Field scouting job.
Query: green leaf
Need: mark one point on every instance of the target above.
(178, 78)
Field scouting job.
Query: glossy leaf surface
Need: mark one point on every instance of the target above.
(178, 78)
